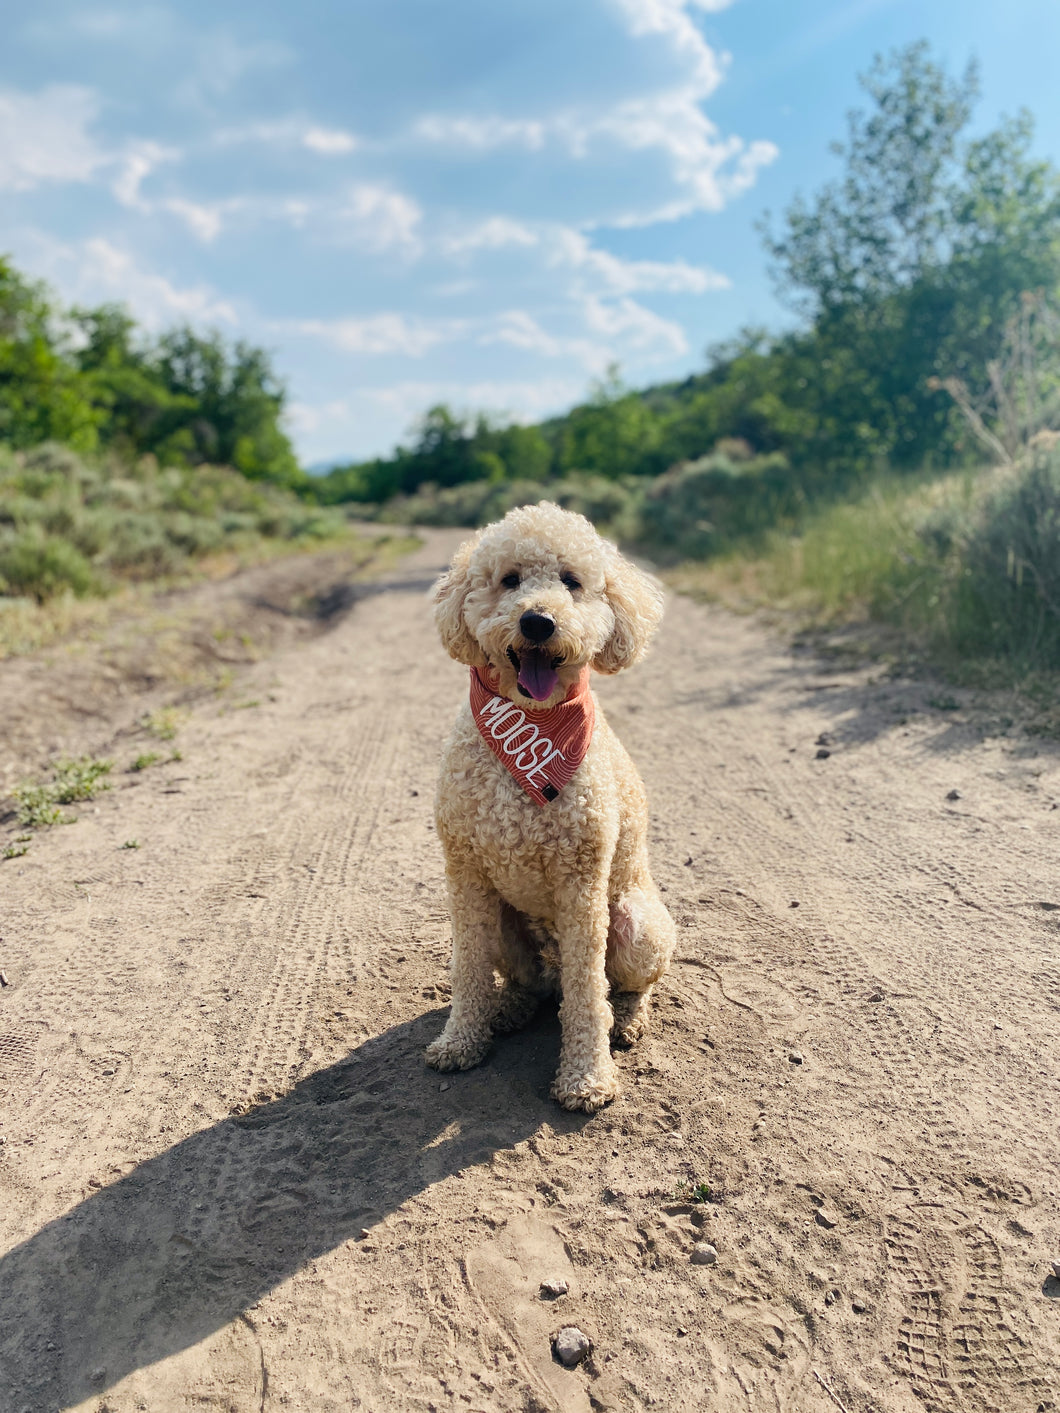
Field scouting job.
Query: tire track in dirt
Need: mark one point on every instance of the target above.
(880, 1209)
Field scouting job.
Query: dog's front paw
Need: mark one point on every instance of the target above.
(457, 1052)
(586, 1092)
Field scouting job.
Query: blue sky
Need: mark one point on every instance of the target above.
(479, 201)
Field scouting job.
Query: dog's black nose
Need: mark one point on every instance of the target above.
(537, 627)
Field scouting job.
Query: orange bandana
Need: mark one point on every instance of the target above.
(540, 750)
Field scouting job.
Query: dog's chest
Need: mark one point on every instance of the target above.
(524, 848)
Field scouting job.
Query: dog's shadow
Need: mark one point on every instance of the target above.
(167, 1255)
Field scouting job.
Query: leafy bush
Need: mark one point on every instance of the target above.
(1007, 600)
(698, 507)
(612, 505)
(36, 565)
(72, 524)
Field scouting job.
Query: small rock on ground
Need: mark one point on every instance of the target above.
(553, 1289)
(571, 1345)
(703, 1254)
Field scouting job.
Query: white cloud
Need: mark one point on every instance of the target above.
(134, 167)
(572, 248)
(706, 169)
(221, 61)
(519, 329)
(378, 218)
(205, 222)
(44, 137)
(380, 333)
(491, 234)
(331, 142)
(96, 271)
(670, 18)
(288, 133)
(635, 327)
(482, 133)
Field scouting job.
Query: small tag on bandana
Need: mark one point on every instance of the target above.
(540, 750)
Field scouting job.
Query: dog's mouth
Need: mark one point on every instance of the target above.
(536, 668)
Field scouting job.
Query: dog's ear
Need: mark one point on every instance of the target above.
(636, 600)
(448, 597)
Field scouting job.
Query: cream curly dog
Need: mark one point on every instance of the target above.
(548, 876)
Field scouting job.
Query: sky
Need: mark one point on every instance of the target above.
(481, 202)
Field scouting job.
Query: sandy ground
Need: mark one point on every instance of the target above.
(228, 1181)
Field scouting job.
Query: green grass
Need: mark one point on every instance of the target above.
(75, 527)
(39, 806)
(163, 723)
(688, 1190)
(142, 762)
(962, 571)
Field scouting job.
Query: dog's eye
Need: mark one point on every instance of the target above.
(570, 581)
(510, 581)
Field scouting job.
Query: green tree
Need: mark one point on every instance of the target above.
(614, 433)
(43, 395)
(909, 266)
(136, 406)
(226, 407)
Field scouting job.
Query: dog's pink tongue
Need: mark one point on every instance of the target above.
(536, 674)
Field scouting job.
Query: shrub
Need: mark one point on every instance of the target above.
(1007, 600)
(39, 566)
(611, 505)
(72, 525)
(700, 507)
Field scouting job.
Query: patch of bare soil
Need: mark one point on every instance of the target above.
(227, 1179)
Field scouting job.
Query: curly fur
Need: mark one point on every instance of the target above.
(561, 895)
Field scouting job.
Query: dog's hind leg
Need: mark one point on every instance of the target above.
(519, 961)
(468, 1033)
(640, 943)
(631, 1011)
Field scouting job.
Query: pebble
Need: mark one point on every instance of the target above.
(570, 1346)
(831, 1296)
(703, 1254)
(825, 1217)
(1056, 1270)
(795, 1057)
(823, 753)
(858, 1306)
(876, 996)
(553, 1289)
(443, 1086)
(953, 795)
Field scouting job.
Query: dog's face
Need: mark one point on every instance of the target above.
(537, 597)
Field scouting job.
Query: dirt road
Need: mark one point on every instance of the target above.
(227, 1179)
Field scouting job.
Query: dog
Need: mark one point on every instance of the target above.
(541, 813)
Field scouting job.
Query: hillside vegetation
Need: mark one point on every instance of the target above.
(905, 270)
(887, 459)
